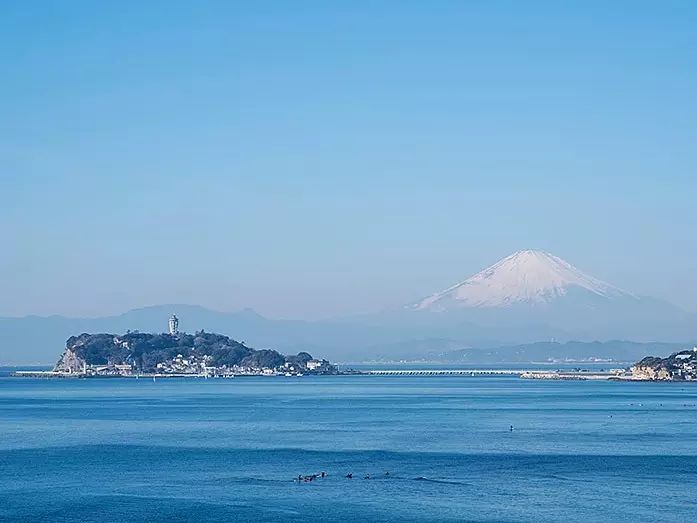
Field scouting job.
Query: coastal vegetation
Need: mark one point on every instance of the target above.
(181, 352)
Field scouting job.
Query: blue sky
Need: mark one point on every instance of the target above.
(311, 159)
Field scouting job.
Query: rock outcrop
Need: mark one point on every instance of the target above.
(70, 362)
(680, 366)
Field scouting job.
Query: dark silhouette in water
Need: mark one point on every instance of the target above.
(349, 475)
(305, 479)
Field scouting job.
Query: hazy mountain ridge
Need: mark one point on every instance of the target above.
(36, 339)
(621, 351)
(526, 297)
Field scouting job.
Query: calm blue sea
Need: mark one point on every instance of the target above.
(228, 450)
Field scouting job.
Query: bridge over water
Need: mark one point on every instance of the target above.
(446, 372)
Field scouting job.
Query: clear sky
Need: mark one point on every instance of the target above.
(311, 159)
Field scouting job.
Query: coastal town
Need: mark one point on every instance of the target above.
(186, 367)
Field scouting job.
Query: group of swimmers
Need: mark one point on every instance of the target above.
(322, 475)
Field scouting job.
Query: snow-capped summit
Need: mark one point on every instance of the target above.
(530, 277)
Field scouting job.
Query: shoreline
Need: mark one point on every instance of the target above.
(617, 375)
(67, 375)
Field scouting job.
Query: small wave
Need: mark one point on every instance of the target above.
(554, 476)
(247, 480)
(441, 481)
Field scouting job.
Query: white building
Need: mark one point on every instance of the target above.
(174, 325)
(313, 364)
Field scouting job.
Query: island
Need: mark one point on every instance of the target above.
(175, 354)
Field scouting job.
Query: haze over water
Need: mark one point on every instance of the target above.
(211, 450)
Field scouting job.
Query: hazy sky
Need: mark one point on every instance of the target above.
(311, 159)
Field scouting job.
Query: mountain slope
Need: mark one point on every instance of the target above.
(525, 277)
(533, 295)
(37, 340)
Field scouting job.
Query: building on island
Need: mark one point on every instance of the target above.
(174, 325)
(314, 364)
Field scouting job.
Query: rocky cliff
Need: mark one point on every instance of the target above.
(70, 362)
(680, 366)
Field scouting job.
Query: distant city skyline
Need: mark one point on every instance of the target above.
(316, 160)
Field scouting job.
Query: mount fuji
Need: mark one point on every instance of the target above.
(525, 277)
(534, 295)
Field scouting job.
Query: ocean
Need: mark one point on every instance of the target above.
(419, 448)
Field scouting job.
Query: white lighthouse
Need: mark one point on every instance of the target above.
(174, 325)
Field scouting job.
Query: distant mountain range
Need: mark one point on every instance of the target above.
(569, 352)
(524, 298)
